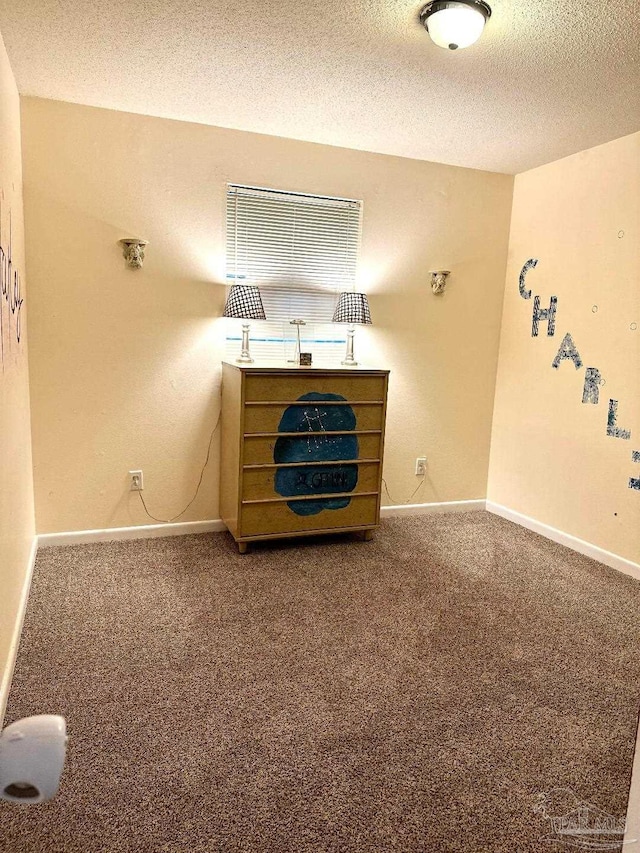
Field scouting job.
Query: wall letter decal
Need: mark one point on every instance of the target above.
(633, 482)
(567, 350)
(531, 264)
(591, 393)
(10, 295)
(613, 430)
(548, 314)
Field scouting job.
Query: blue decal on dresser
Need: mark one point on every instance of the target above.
(313, 446)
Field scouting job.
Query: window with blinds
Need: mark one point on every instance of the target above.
(301, 251)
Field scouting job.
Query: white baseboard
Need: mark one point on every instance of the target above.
(7, 675)
(118, 534)
(632, 835)
(433, 509)
(579, 545)
(152, 531)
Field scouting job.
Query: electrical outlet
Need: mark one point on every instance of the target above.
(136, 481)
(421, 466)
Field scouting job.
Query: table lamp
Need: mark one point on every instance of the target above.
(352, 308)
(244, 303)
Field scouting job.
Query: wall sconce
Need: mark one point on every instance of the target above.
(439, 280)
(133, 252)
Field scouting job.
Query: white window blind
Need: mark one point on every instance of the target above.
(301, 251)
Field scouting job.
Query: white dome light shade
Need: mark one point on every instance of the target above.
(455, 24)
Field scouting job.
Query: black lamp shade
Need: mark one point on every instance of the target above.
(245, 303)
(352, 308)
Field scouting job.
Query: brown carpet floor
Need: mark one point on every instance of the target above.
(414, 693)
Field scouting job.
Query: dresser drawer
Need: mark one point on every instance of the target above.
(313, 479)
(289, 387)
(315, 417)
(264, 519)
(258, 450)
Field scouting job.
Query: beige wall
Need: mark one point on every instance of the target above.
(16, 488)
(551, 456)
(125, 366)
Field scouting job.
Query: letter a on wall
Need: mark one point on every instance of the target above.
(568, 351)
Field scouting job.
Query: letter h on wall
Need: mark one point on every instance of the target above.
(548, 314)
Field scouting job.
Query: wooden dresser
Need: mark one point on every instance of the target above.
(301, 450)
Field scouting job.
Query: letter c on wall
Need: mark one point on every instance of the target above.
(531, 264)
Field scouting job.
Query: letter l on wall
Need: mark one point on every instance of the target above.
(634, 483)
(613, 430)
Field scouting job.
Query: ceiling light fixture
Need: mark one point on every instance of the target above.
(455, 24)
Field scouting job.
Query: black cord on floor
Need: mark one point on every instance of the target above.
(206, 462)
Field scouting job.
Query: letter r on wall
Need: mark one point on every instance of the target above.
(591, 391)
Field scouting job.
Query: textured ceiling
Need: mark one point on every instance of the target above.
(547, 79)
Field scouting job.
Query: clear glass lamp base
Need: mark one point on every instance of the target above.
(245, 355)
(349, 360)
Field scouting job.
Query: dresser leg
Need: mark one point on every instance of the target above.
(367, 536)
(243, 547)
